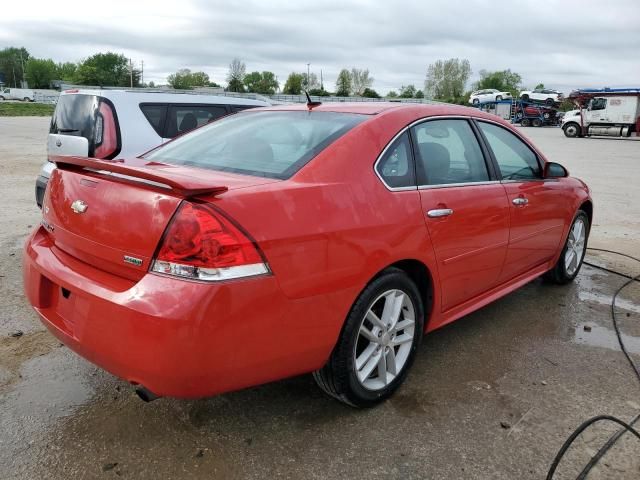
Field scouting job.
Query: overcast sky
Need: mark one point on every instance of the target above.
(564, 44)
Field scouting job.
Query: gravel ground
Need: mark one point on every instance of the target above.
(492, 396)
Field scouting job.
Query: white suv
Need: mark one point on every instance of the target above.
(127, 123)
(548, 96)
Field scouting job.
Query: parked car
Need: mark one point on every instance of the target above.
(488, 95)
(24, 94)
(126, 123)
(545, 95)
(297, 239)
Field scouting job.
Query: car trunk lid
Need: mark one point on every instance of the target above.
(112, 214)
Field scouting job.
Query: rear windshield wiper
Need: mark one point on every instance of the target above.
(68, 130)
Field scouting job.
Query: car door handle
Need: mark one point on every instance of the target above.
(439, 212)
(519, 201)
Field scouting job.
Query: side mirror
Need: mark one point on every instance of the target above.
(555, 170)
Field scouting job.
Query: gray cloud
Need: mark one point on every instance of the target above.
(564, 44)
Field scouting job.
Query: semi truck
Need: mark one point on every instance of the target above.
(604, 112)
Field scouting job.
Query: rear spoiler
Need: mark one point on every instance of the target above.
(161, 175)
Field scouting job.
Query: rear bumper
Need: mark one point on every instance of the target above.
(177, 338)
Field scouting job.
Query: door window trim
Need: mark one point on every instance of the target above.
(493, 177)
(494, 161)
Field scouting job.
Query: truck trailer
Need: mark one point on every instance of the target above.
(604, 112)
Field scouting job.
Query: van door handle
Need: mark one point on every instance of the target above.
(519, 201)
(439, 212)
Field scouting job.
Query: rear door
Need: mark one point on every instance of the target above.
(465, 207)
(538, 207)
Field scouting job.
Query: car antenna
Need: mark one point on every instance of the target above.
(311, 104)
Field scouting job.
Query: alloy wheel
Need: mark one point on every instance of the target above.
(384, 339)
(575, 246)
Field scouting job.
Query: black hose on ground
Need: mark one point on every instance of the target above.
(627, 427)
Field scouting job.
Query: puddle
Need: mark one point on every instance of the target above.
(604, 338)
(603, 299)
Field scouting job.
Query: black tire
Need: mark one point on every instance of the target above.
(536, 122)
(525, 97)
(571, 130)
(476, 101)
(1, 98)
(549, 101)
(26, 99)
(338, 377)
(558, 274)
(525, 122)
(498, 98)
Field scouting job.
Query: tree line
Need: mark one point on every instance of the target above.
(446, 80)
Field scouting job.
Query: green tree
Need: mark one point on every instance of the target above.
(540, 86)
(39, 72)
(446, 79)
(360, 79)
(235, 76)
(392, 94)
(370, 93)
(66, 71)
(294, 83)
(107, 69)
(265, 82)
(503, 80)
(407, 92)
(151, 84)
(310, 83)
(344, 85)
(181, 80)
(319, 92)
(419, 94)
(12, 64)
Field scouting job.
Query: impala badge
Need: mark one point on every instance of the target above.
(132, 260)
(78, 206)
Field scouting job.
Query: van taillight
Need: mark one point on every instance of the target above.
(106, 133)
(201, 244)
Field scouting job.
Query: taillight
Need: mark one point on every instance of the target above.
(106, 133)
(202, 244)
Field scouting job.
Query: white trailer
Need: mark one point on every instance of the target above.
(608, 112)
(24, 94)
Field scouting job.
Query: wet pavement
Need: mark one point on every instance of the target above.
(492, 396)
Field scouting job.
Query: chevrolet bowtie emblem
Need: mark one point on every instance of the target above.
(78, 206)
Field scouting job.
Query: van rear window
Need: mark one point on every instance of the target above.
(272, 144)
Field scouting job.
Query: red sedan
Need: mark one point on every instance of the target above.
(289, 240)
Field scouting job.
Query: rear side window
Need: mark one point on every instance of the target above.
(155, 115)
(267, 144)
(514, 158)
(396, 167)
(447, 152)
(184, 118)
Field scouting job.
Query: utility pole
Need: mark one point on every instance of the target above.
(22, 63)
(321, 81)
(308, 79)
(141, 72)
(131, 72)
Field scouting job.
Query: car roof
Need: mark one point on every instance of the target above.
(165, 97)
(375, 108)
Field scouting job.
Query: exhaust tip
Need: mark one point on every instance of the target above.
(146, 395)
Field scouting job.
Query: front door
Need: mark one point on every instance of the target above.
(536, 205)
(466, 209)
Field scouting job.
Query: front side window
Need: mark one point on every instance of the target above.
(447, 151)
(396, 167)
(598, 104)
(514, 158)
(274, 144)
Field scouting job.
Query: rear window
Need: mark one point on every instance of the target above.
(76, 115)
(266, 144)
